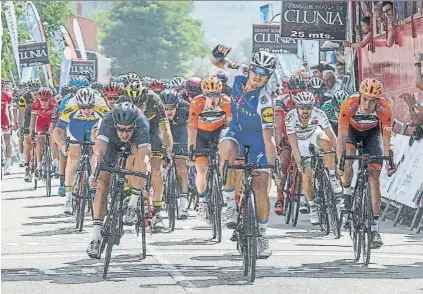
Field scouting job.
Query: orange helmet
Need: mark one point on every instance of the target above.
(211, 84)
(371, 88)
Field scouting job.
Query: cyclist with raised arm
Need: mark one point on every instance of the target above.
(252, 125)
(306, 125)
(42, 111)
(177, 113)
(367, 118)
(223, 77)
(209, 113)
(75, 121)
(125, 124)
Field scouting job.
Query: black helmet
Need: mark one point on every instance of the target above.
(125, 113)
(221, 75)
(65, 90)
(169, 96)
(86, 74)
(297, 83)
(97, 86)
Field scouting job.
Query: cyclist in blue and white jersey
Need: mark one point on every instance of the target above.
(252, 125)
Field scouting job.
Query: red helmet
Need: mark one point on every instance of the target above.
(157, 86)
(193, 86)
(112, 88)
(45, 93)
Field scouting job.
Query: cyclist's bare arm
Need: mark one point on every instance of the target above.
(293, 141)
(32, 122)
(332, 137)
(270, 144)
(167, 136)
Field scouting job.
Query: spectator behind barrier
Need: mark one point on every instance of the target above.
(365, 29)
(331, 84)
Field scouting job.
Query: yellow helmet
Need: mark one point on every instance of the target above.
(371, 88)
(211, 84)
(135, 89)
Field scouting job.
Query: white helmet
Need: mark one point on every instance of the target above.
(265, 60)
(177, 82)
(85, 97)
(315, 83)
(304, 98)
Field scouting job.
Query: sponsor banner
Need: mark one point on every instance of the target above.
(265, 13)
(79, 39)
(314, 20)
(65, 67)
(79, 65)
(33, 54)
(266, 38)
(68, 41)
(13, 32)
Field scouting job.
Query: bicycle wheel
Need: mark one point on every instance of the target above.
(323, 214)
(252, 237)
(143, 229)
(47, 170)
(171, 199)
(84, 194)
(216, 209)
(112, 235)
(331, 209)
(297, 198)
(288, 200)
(355, 224)
(367, 223)
(77, 196)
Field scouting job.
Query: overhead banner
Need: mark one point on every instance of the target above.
(33, 54)
(12, 26)
(79, 39)
(80, 65)
(314, 20)
(266, 38)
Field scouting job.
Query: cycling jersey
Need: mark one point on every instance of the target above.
(209, 120)
(294, 126)
(108, 133)
(178, 127)
(25, 100)
(64, 103)
(350, 115)
(43, 115)
(251, 113)
(6, 100)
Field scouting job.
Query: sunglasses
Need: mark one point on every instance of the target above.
(125, 130)
(305, 107)
(170, 108)
(44, 100)
(112, 97)
(213, 95)
(89, 106)
(260, 71)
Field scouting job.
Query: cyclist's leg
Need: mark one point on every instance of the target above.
(73, 157)
(285, 157)
(27, 143)
(307, 182)
(156, 169)
(40, 139)
(348, 168)
(8, 148)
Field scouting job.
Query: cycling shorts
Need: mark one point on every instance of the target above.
(205, 140)
(304, 145)
(76, 129)
(42, 123)
(372, 143)
(156, 139)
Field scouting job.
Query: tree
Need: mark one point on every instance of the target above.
(151, 38)
(52, 14)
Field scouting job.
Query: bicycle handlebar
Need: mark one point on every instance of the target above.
(366, 158)
(248, 166)
(124, 172)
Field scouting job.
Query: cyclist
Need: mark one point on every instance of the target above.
(157, 86)
(6, 122)
(316, 86)
(160, 134)
(283, 104)
(177, 113)
(75, 83)
(42, 110)
(25, 105)
(252, 124)
(338, 99)
(306, 125)
(209, 113)
(125, 124)
(328, 104)
(192, 89)
(87, 75)
(111, 93)
(222, 76)
(97, 86)
(178, 83)
(367, 118)
(75, 121)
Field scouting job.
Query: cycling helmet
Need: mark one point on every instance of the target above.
(125, 113)
(65, 90)
(45, 93)
(264, 60)
(112, 88)
(97, 86)
(304, 98)
(132, 76)
(315, 83)
(296, 83)
(85, 97)
(135, 89)
(86, 74)
(169, 97)
(371, 88)
(157, 86)
(177, 82)
(78, 81)
(340, 96)
(211, 84)
(34, 83)
(221, 75)
(193, 86)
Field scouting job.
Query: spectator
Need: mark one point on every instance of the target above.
(340, 70)
(317, 70)
(365, 28)
(418, 72)
(331, 84)
(388, 9)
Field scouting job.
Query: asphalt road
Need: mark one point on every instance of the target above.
(42, 253)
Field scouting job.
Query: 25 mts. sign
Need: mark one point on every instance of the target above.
(314, 20)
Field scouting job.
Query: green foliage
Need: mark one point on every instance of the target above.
(52, 14)
(151, 38)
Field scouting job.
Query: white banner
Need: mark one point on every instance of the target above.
(9, 12)
(79, 39)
